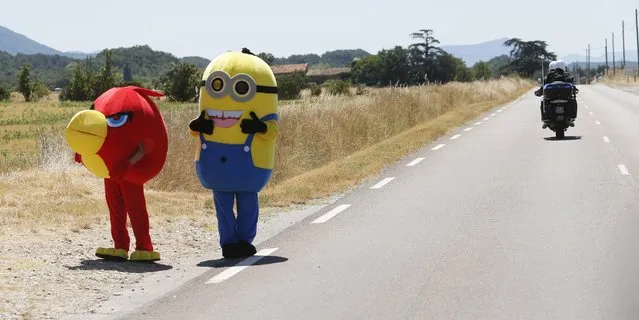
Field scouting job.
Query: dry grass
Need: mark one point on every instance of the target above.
(327, 144)
(621, 78)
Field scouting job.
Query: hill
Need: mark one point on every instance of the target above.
(484, 51)
(14, 43)
(631, 56)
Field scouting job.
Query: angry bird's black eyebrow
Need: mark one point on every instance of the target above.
(92, 107)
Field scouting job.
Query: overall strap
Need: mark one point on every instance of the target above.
(249, 139)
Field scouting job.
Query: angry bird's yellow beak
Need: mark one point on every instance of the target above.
(86, 133)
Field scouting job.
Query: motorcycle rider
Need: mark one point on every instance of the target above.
(558, 72)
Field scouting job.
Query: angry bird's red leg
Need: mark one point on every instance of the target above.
(117, 214)
(136, 205)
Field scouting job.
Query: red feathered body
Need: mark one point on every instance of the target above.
(144, 125)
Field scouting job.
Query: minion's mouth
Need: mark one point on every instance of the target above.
(224, 118)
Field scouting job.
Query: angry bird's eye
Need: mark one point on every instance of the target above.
(242, 87)
(118, 120)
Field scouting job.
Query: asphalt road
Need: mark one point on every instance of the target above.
(500, 221)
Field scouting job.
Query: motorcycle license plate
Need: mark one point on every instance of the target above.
(559, 109)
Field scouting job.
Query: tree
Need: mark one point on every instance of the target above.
(422, 54)
(181, 82)
(267, 57)
(5, 93)
(79, 87)
(106, 79)
(394, 66)
(367, 70)
(290, 85)
(25, 82)
(127, 75)
(527, 55)
(481, 71)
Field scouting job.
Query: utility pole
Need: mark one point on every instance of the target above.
(613, 53)
(588, 74)
(637, 29)
(606, 56)
(623, 44)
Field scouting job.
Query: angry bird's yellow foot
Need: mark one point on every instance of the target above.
(112, 254)
(145, 256)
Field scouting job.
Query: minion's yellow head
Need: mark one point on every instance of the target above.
(233, 85)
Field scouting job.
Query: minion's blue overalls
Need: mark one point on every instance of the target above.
(228, 170)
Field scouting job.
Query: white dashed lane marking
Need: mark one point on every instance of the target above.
(606, 139)
(438, 147)
(468, 129)
(415, 162)
(477, 123)
(597, 122)
(486, 118)
(455, 137)
(382, 183)
(331, 213)
(623, 170)
(241, 266)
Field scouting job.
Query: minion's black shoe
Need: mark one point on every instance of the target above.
(246, 249)
(231, 251)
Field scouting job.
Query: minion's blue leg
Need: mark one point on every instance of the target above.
(226, 223)
(247, 213)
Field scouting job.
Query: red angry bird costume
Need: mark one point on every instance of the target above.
(123, 139)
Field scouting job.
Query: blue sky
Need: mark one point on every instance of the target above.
(284, 27)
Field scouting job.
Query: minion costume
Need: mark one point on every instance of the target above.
(237, 128)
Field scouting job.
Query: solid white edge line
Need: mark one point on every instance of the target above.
(415, 162)
(382, 183)
(468, 129)
(606, 139)
(438, 147)
(224, 275)
(325, 217)
(623, 169)
(455, 136)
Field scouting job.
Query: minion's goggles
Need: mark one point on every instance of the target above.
(241, 87)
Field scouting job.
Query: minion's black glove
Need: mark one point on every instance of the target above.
(253, 125)
(201, 124)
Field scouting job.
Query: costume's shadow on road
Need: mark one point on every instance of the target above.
(565, 138)
(124, 266)
(225, 263)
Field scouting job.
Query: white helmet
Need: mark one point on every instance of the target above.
(552, 65)
(560, 64)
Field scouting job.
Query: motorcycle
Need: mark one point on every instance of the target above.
(557, 100)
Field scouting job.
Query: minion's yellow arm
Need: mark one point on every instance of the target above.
(193, 133)
(271, 131)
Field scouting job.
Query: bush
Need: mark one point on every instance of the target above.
(289, 86)
(5, 93)
(360, 90)
(39, 90)
(316, 90)
(338, 87)
(181, 82)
